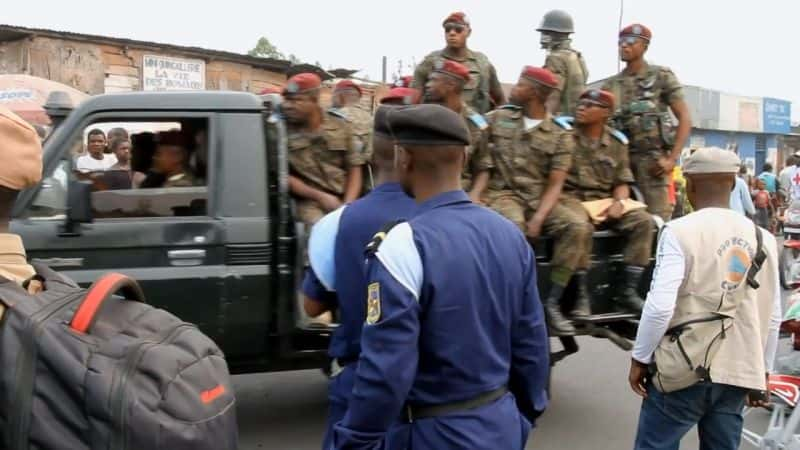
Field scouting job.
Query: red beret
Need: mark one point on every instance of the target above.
(270, 90)
(540, 75)
(301, 83)
(348, 84)
(637, 30)
(456, 17)
(600, 97)
(404, 81)
(452, 68)
(402, 96)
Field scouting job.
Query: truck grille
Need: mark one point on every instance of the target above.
(247, 254)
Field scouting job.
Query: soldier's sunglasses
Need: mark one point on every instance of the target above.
(628, 40)
(454, 27)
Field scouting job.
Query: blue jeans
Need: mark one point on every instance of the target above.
(716, 409)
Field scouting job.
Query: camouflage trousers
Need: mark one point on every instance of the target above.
(309, 212)
(637, 227)
(654, 189)
(566, 224)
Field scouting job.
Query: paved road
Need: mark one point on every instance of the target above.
(592, 408)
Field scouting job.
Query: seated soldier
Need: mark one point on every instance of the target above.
(169, 163)
(531, 153)
(600, 170)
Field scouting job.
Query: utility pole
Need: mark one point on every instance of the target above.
(383, 70)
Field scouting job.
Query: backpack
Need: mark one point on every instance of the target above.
(84, 369)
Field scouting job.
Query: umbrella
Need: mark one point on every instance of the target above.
(26, 95)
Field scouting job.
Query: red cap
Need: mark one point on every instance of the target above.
(404, 81)
(600, 97)
(457, 17)
(270, 90)
(301, 83)
(637, 30)
(540, 75)
(348, 84)
(402, 96)
(452, 68)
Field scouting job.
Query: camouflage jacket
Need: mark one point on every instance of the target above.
(321, 159)
(361, 123)
(568, 64)
(478, 150)
(597, 168)
(523, 159)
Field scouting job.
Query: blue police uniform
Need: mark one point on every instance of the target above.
(337, 278)
(453, 313)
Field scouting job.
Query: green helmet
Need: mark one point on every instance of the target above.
(558, 21)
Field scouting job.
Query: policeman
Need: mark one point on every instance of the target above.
(531, 154)
(445, 86)
(564, 61)
(21, 153)
(645, 93)
(401, 96)
(484, 89)
(600, 170)
(347, 100)
(336, 276)
(459, 352)
(722, 295)
(324, 166)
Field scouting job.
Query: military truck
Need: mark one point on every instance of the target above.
(226, 253)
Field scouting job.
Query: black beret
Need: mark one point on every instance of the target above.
(172, 137)
(426, 124)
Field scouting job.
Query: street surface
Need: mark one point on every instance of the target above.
(592, 408)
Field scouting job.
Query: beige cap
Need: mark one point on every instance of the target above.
(20, 152)
(711, 160)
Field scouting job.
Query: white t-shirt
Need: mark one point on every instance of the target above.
(794, 182)
(86, 163)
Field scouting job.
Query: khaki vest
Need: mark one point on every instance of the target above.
(719, 246)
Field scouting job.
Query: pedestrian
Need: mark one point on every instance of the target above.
(769, 178)
(335, 279)
(764, 208)
(95, 159)
(484, 88)
(445, 87)
(564, 61)
(646, 93)
(458, 355)
(599, 171)
(785, 179)
(325, 167)
(741, 200)
(710, 306)
(115, 133)
(21, 152)
(531, 155)
(121, 148)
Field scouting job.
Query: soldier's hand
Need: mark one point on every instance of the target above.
(534, 227)
(616, 210)
(663, 167)
(329, 202)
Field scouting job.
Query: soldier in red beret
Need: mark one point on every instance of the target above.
(404, 81)
(325, 167)
(645, 95)
(483, 87)
(401, 96)
(445, 86)
(347, 100)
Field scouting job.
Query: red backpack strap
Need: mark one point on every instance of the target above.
(101, 290)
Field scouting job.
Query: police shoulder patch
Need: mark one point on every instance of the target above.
(563, 123)
(373, 303)
(619, 135)
(479, 121)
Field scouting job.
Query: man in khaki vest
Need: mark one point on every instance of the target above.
(21, 153)
(703, 269)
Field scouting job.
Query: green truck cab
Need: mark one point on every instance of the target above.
(226, 253)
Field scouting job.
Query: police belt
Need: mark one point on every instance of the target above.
(415, 412)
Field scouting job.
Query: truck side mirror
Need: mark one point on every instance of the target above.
(79, 202)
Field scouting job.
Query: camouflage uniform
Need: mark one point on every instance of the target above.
(522, 161)
(321, 160)
(478, 156)
(597, 168)
(643, 101)
(361, 123)
(483, 77)
(570, 68)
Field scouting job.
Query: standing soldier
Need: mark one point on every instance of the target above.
(444, 87)
(484, 89)
(564, 61)
(347, 100)
(324, 165)
(531, 153)
(454, 345)
(600, 170)
(646, 93)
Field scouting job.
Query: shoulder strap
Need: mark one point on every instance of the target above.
(478, 121)
(563, 123)
(758, 260)
(380, 236)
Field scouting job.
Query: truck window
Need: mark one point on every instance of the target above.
(137, 169)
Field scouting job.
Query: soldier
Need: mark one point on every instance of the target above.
(401, 96)
(645, 93)
(531, 154)
(347, 99)
(325, 168)
(564, 61)
(484, 88)
(600, 170)
(445, 86)
(454, 345)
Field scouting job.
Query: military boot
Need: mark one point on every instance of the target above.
(630, 299)
(583, 303)
(559, 325)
